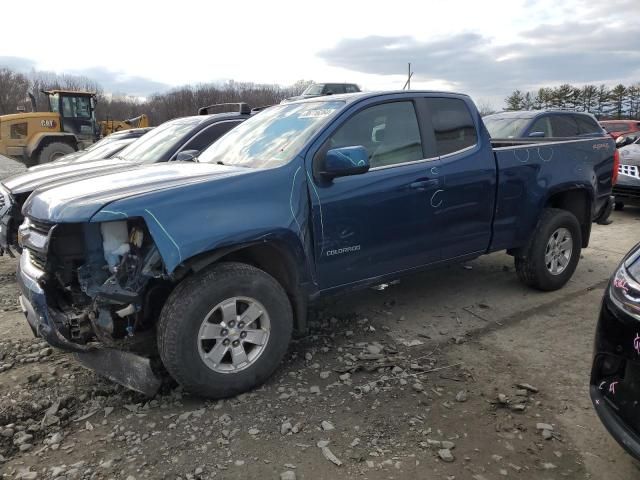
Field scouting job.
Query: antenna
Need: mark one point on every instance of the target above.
(407, 85)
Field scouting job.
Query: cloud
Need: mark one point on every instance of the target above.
(110, 81)
(118, 82)
(19, 64)
(572, 52)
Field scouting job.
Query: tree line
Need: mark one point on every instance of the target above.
(160, 107)
(619, 102)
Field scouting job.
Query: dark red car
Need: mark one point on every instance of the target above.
(615, 128)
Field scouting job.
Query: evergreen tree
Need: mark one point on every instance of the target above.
(515, 101)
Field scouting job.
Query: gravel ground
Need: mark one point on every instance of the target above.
(9, 167)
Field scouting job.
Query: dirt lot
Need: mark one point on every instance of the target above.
(444, 376)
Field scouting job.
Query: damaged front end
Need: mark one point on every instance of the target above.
(96, 289)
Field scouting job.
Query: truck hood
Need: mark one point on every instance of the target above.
(44, 175)
(79, 201)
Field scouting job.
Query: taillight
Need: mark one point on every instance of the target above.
(616, 167)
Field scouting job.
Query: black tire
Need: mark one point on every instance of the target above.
(188, 306)
(531, 266)
(52, 152)
(619, 206)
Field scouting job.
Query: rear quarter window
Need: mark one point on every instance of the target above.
(452, 124)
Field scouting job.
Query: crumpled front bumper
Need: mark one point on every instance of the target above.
(126, 368)
(33, 302)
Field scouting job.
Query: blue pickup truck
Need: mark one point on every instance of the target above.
(216, 261)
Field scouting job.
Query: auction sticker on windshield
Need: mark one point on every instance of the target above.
(317, 113)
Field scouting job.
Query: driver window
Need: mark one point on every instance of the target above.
(389, 132)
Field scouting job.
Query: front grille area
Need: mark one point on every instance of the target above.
(39, 226)
(38, 260)
(37, 256)
(5, 201)
(630, 170)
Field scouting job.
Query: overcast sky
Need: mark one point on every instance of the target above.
(486, 49)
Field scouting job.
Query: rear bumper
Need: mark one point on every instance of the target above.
(33, 302)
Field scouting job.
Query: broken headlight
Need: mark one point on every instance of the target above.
(118, 238)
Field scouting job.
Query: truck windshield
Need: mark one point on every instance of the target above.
(505, 127)
(314, 89)
(155, 145)
(272, 137)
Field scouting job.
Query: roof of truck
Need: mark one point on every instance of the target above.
(352, 97)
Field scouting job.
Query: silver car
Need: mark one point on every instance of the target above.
(627, 190)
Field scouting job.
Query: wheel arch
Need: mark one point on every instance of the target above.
(579, 202)
(273, 257)
(42, 139)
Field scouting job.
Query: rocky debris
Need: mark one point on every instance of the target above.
(445, 455)
(328, 454)
(547, 430)
(285, 428)
(327, 426)
(526, 386)
(19, 351)
(461, 396)
(288, 475)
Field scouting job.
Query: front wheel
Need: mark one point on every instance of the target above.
(552, 255)
(225, 330)
(54, 151)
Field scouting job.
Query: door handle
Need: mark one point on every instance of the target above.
(424, 184)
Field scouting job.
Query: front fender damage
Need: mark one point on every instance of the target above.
(106, 295)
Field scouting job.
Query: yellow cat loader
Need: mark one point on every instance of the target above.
(41, 137)
(109, 126)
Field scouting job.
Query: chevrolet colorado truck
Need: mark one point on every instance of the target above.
(216, 261)
(175, 139)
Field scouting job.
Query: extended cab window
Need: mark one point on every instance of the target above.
(389, 132)
(564, 126)
(452, 125)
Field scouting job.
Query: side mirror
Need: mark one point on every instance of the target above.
(537, 134)
(187, 156)
(341, 162)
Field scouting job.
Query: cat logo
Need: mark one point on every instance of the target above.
(48, 123)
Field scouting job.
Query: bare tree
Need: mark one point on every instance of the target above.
(13, 90)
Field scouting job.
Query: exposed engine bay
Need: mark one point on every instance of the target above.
(103, 281)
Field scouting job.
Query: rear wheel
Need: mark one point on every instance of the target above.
(619, 206)
(225, 330)
(53, 151)
(552, 255)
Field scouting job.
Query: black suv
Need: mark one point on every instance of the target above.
(543, 123)
(321, 89)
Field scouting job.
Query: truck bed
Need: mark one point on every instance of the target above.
(531, 171)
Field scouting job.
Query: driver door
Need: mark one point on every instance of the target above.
(379, 222)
